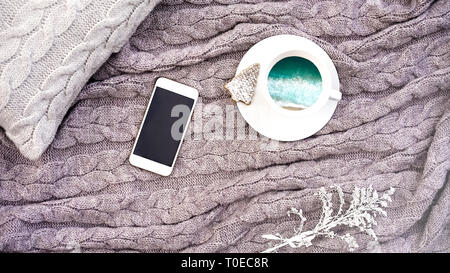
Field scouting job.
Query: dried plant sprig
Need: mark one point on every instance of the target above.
(366, 204)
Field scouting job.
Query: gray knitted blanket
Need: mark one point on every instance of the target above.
(391, 129)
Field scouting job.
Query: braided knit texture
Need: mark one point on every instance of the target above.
(48, 51)
(391, 129)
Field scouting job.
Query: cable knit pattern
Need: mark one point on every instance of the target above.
(391, 129)
(44, 72)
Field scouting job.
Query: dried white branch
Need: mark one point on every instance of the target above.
(364, 207)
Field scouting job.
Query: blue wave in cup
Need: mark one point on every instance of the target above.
(294, 82)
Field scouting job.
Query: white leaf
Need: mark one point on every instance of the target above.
(270, 237)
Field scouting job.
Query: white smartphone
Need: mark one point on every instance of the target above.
(163, 127)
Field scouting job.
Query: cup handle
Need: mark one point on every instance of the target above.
(335, 95)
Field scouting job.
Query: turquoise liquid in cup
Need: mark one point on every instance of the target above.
(294, 83)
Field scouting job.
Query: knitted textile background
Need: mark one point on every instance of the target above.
(391, 129)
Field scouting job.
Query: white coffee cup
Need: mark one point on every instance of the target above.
(321, 61)
(269, 118)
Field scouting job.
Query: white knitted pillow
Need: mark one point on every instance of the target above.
(48, 51)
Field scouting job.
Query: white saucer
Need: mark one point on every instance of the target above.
(270, 119)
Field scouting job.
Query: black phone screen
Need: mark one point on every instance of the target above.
(163, 127)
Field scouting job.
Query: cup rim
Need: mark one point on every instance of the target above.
(325, 93)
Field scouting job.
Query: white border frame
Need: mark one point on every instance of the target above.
(151, 165)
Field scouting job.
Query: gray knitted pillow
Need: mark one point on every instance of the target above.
(48, 51)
